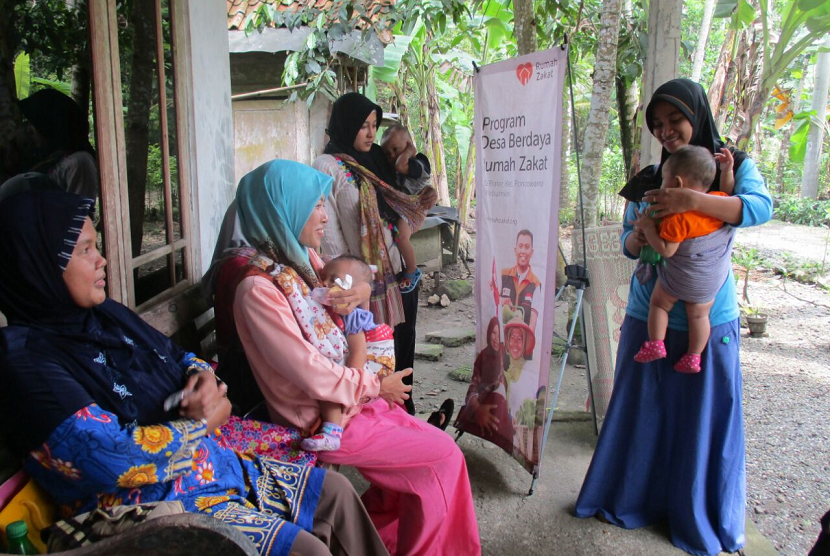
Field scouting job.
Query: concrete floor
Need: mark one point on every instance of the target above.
(513, 523)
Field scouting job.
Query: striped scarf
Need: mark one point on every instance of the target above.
(386, 303)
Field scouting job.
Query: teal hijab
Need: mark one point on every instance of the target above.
(274, 203)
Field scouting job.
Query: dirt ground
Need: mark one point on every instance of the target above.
(786, 386)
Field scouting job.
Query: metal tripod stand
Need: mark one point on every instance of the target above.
(577, 278)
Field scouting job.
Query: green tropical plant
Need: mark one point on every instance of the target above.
(314, 64)
(803, 22)
(748, 260)
(808, 212)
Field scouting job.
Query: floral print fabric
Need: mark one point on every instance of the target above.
(92, 461)
(256, 438)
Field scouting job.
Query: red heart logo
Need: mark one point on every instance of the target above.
(524, 72)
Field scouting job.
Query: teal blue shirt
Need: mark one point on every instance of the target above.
(757, 209)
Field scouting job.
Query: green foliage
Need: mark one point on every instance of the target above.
(528, 414)
(806, 272)
(314, 63)
(741, 12)
(22, 75)
(51, 30)
(155, 183)
(748, 260)
(750, 310)
(799, 138)
(808, 212)
(155, 172)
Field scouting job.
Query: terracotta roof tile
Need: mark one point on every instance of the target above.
(239, 10)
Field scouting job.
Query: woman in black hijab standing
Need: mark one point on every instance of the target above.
(355, 226)
(59, 130)
(672, 446)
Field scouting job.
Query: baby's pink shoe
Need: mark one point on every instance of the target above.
(651, 351)
(689, 363)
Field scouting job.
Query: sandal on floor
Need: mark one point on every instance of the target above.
(413, 277)
(446, 411)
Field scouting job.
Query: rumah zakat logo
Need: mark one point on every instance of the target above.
(524, 72)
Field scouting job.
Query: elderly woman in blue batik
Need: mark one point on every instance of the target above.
(89, 379)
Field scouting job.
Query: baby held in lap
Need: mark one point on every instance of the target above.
(371, 346)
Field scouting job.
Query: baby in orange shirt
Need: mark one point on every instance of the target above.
(695, 168)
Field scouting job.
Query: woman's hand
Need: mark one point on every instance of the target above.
(637, 238)
(345, 301)
(643, 221)
(392, 388)
(428, 197)
(672, 201)
(205, 399)
(486, 419)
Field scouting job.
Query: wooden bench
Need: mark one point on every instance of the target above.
(188, 320)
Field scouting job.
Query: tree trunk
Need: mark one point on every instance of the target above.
(628, 99)
(9, 114)
(700, 49)
(812, 160)
(524, 26)
(436, 139)
(716, 89)
(459, 173)
(400, 102)
(81, 80)
(137, 124)
(757, 91)
(732, 80)
(81, 86)
(468, 187)
(567, 138)
(597, 127)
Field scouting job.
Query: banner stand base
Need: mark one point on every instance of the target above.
(578, 279)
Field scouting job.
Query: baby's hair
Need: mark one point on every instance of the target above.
(365, 273)
(693, 163)
(392, 129)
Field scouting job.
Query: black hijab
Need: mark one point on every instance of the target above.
(59, 120)
(56, 357)
(691, 100)
(347, 116)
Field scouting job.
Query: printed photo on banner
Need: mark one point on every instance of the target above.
(518, 144)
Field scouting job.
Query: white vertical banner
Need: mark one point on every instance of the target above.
(518, 129)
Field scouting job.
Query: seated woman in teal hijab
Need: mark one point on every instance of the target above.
(420, 498)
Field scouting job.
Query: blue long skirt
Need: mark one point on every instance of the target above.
(672, 446)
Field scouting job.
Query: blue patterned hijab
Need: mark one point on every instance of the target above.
(274, 202)
(38, 231)
(58, 357)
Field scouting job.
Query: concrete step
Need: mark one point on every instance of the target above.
(452, 337)
(429, 352)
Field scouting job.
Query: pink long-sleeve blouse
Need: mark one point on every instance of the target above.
(293, 376)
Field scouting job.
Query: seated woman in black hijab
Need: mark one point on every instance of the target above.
(89, 379)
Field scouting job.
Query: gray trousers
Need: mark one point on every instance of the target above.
(341, 524)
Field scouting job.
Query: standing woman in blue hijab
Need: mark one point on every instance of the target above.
(89, 379)
(672, 446)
